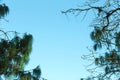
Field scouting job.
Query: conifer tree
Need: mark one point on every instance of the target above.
(14, 54)
(106, 37)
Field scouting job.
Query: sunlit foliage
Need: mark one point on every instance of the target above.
(105, 35)
(14, 54)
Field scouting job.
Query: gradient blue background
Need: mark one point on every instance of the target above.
(59, 40)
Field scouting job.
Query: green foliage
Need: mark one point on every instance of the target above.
(3, 10)
(14, 54)
(96, 35)
(117, 40)
(37, 72)
(105, 35)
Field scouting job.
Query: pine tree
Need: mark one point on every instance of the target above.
(106, 37)
(14, 54)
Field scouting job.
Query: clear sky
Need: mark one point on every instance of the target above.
(59, 40)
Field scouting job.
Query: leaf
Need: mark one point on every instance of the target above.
(95, 47)
(106, 69)
(96, 61)
(98, 34)
(3, 10)
(92, 35)
(37, 72)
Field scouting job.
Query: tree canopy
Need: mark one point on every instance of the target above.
(14, 54)
(106, 37)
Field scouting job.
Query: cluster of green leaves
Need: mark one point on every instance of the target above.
(105, 35)
(14, 54)
(3, 10)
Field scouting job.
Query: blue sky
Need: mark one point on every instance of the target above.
(59, 40)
